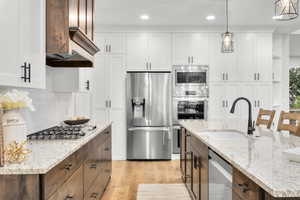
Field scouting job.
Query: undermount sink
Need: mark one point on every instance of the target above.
(223, 134)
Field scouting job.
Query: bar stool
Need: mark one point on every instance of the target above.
(293, 126)
(262, 115)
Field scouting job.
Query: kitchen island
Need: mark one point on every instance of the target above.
(260, 168)
(61, 169)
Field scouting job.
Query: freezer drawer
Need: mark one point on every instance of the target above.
(148, 143)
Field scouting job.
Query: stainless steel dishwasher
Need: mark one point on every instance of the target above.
(220, 178)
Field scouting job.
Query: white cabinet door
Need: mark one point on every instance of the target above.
(160, 52)
(181, 49)
(115, 42)
(137, 51)
(10, 71)
(101, 43)
(264, 57)
(32, 40)
(246, 48)
(118, 117)
(223, 66)
(216, 107)
(198, 42)
(100, 89)
(117, 81)
(85, 80)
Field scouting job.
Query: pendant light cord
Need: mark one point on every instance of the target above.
(226, 15)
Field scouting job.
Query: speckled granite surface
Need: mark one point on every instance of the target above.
(259, 158)
(46, 154)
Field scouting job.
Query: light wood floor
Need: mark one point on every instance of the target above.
(127, 175)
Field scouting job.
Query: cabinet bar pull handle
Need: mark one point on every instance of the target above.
(29, 73)
(110, 48)
(68, 166)
(150, 66)
(88, 85)
(94, 195)
(192, 59)
(189, 60)
(227, 76)
(24, 66)
(69, 197)
(93, 166)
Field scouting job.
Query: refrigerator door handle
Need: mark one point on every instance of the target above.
(149, 129)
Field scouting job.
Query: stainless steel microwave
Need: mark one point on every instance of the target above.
(190, 80)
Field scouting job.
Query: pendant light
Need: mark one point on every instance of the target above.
(227, 37)
(286, 9)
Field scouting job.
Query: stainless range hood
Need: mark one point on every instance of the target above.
(70, 28)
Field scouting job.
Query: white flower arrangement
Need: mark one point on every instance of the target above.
(16, 99)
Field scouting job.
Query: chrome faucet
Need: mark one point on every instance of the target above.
(251, 128)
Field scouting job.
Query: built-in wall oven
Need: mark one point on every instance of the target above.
(190, 80)
(186, 108)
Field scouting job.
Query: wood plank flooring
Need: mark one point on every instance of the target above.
(127, 175)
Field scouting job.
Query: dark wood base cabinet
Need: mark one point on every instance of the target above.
(82, 176)
(195, 173)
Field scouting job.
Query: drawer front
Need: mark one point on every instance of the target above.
(200, 147)
(60, 174)
(244, 187)
(72, 189)
(235, 196)
(97, 188)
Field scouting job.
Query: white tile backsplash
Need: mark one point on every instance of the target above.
(53, 107)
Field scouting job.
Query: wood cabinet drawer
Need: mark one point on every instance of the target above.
(72, 189)
(245, 188)
(61, 173)
(96, 189)
(200, 147)
(235, 196)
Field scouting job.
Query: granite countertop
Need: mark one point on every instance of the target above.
(46, 154)
(259, 158)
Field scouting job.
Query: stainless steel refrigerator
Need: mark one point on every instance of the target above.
(148, 115)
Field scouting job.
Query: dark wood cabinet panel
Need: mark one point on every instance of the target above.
(183, 153)
(25, 187)
(73, 13)
(72, 189)
(244, 187)
(90, 19)
(196, 186)
(59, 174)
(82, 15)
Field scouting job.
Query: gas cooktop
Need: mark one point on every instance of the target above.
(58, 132)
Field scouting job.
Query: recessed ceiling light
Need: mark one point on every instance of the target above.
(144, 17)
(210, 17)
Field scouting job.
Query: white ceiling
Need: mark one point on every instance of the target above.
(189, 13)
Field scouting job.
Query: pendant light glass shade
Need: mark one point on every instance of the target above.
(227, 37)
(286, 9)
(227, 43)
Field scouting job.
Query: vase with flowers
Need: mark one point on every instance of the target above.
(13, 124)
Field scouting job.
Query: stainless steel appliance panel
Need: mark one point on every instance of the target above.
(148, 143)
(220, 178)
(159, 99)
(190, 80)
(138, 99)
(189, 108)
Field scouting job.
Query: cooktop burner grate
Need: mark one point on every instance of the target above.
(58, 133)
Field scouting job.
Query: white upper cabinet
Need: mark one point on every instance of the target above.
(223, 66)
(110, 43)
(190, 48)
(254, 56)
(147, 51)
(137, 51)
(78, 79)
(23, 43)
(32, 44)
(10, 71)
(159, 48)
